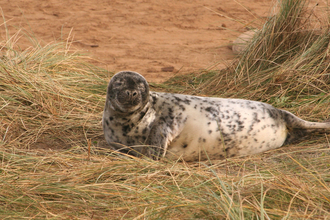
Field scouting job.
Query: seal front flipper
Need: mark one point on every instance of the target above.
(118, 147)
(158, 141)
(164, 130)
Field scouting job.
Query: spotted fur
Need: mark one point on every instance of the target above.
(155, 124)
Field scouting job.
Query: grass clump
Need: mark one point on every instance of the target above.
(67, 185)
(286, 64)
(44, 89)
(50, 98)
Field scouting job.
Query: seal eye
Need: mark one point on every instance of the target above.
(118, 84)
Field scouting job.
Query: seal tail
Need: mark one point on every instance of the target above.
(299, 128)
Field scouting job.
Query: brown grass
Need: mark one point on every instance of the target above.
(286, 64)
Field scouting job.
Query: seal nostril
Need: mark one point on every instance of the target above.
(131, 93)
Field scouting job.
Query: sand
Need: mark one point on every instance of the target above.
(157, 38)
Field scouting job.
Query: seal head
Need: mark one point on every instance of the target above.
(127, 92)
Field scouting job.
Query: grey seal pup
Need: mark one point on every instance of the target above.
(140, 122)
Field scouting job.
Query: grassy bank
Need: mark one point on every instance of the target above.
(286, 64)
(52, 166)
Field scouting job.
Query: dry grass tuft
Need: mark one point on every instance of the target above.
(45, 89)
(51, 103)
(286, 64)
(44, 184)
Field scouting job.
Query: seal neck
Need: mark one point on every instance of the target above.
(130, 117)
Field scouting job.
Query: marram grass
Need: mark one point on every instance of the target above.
(48, 91)
(44, 184)
(286, 64)
(51, 167)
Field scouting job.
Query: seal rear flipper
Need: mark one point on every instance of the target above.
(299, 129)
(295, 122)
(295, 135)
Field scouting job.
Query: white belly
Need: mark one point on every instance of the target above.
(237, 130)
